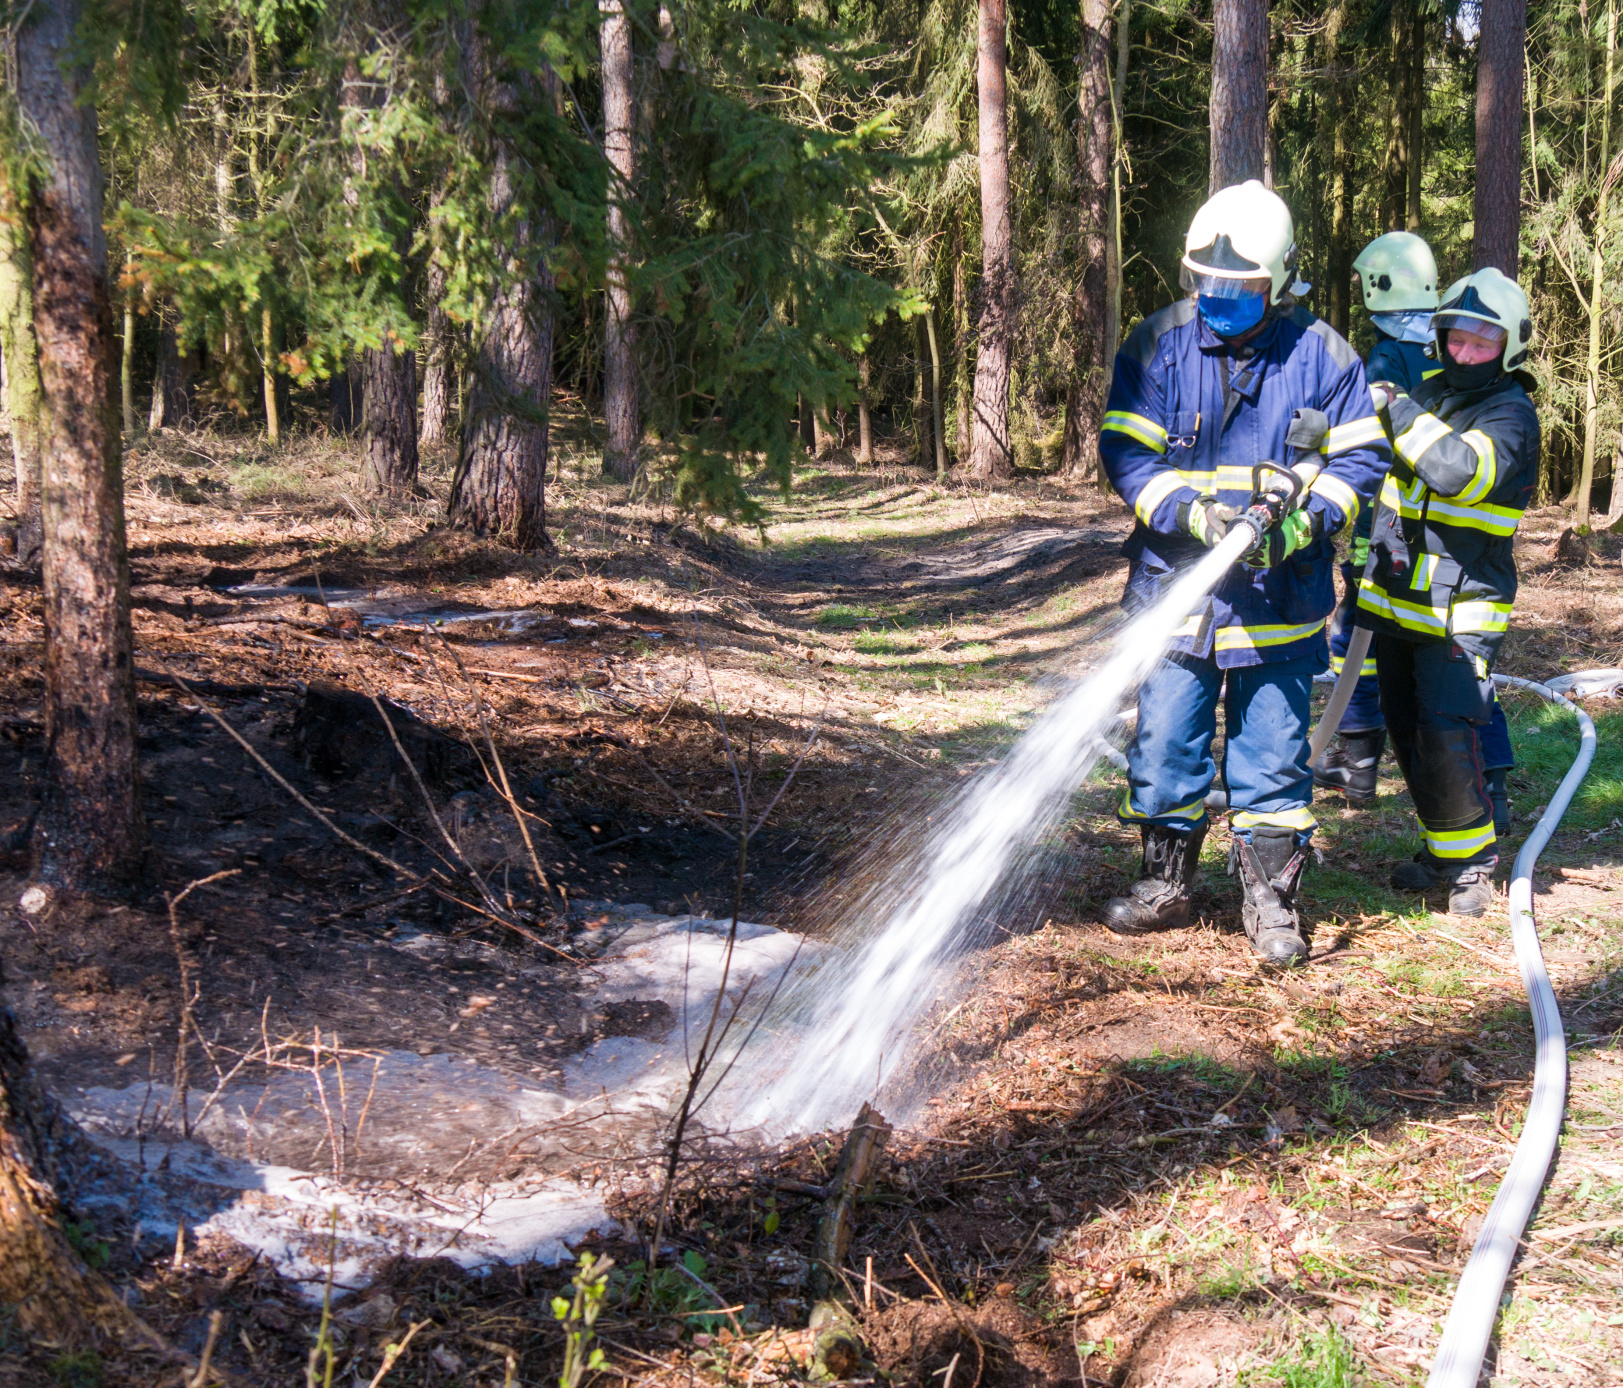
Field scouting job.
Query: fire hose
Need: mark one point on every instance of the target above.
(1475, 1309)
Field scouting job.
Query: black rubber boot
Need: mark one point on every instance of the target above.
(1159, 900)
(1470, 888)
(1351, 765)
(1499, 798)
(1270, 868)
(1420, 874)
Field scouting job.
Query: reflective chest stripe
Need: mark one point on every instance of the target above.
(1470, 615)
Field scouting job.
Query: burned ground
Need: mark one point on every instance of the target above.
(1144, 1163)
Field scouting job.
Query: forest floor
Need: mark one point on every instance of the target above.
(1147, 1163)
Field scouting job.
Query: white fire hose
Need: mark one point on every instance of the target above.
(1471, 1319)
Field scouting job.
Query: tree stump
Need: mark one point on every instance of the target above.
(1572, 549)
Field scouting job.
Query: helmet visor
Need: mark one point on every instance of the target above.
(1447, 321)
(1223, 286)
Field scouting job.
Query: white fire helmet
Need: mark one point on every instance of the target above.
(1397, 271)
(1491, 303)
(1241, 241)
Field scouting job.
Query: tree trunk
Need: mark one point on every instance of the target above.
(268, 375)
(1338, 267)
(1500, 69)
(89, 836)
(963, 380)
(864, 421)
(921, 402)
(1239, 92)
(18, 348)
(436, 365)
(989, 452)
(1395, 166)
(174, 384)
(1417, 115)
(822, 435)
(126, 366)
(389, 391)
(346, 401)
(499, 489)
(1090, 384)
(623, 427)
(1597, 285)
(935, 398)
(56, 1299)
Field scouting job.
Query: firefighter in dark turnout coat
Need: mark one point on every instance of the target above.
(1442, 577)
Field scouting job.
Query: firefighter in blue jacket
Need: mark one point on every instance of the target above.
(1442, 575)
(1204, 390)
(1397, 275)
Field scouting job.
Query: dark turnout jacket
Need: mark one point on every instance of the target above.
(1441, 563)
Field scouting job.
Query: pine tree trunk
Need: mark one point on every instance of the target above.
(1339, 259)
(389, 390)
(1090, 384)
(921, 401)
(1417, 116)
(1395, 166)
(1239, 92)
(126, 365)
(623, 427)
(1500, 69)
(346, 401)
(990, 454)
(18, 347)
(268, 375)
(935, 398)
(864, 421)
(436, 431)
(173, 383)
(501, 477)
(963, 379)
(89, 836)
(1597, 285)
(56, 1300)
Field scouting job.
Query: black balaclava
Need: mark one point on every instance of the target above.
(1468, 378)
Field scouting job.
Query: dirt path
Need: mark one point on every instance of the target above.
(1141, 1164)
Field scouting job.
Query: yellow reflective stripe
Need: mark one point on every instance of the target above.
(1495, 520)
(1424, 570)
(1459, 843)
(1156, 490)
(1487, 468)
(1427, 375)
(1481, 616)
(1135, 426)
(1338, 663)
(1191, 626)
(1357, 434)
(1390, 496)
(1301, 820)
(1195, 809)
(1419, 436)
(1414, 616)
(1243, 638)
(1338, 494)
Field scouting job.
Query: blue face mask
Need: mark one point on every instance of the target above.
(1231, 317)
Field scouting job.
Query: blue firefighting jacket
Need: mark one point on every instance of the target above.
(1404, 364)
(1187, 417)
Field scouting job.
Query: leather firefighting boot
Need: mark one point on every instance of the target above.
(1470, 888)
(1270, 868)
(1351, 765)
(1499, 797)
(1159, 900)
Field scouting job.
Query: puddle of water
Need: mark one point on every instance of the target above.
(258, 1167)
(381, 610)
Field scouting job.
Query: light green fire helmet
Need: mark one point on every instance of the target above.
(1490, 303)
(1398, 271)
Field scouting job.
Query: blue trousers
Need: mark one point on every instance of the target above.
(1364, 711)
(1266, 722)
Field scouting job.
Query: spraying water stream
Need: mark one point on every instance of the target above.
(856, 1017)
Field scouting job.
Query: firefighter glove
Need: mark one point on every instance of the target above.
(1295, 531)
(1206, 518)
